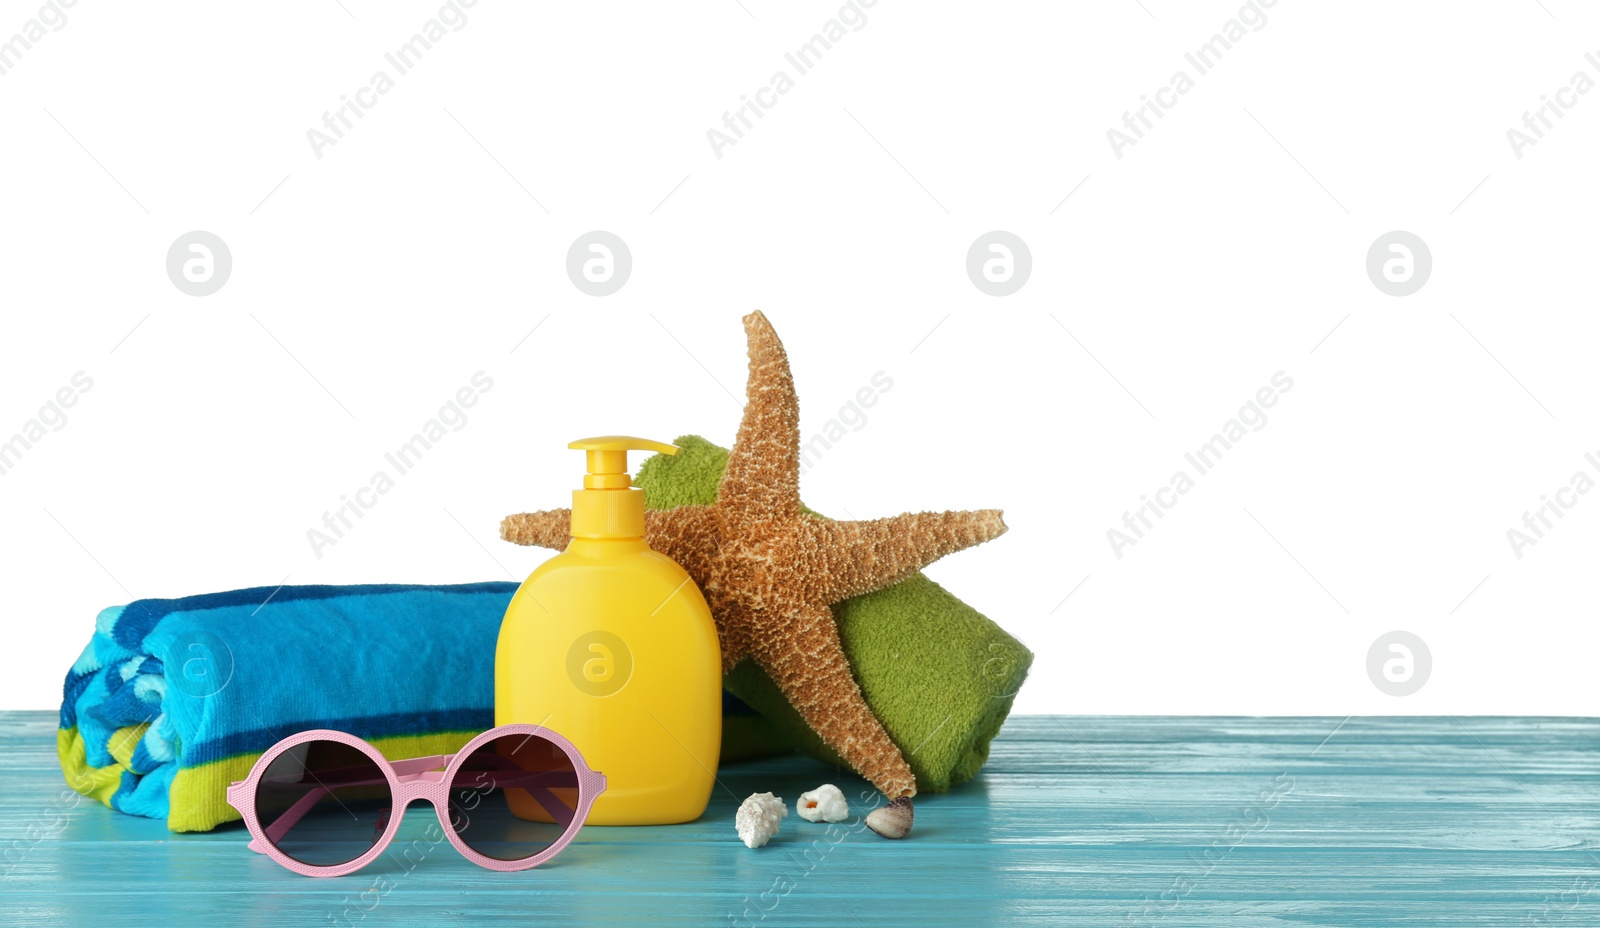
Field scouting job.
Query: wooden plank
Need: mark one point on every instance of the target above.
(1094, 820)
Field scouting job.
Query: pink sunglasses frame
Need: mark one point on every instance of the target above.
(410, 780)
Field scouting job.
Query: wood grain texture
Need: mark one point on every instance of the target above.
(1090, 820)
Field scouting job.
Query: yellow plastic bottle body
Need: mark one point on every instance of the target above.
(611, 644)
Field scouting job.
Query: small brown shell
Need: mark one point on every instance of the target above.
(893, 820)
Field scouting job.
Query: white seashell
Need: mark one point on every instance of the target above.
(823, 804)
(893, 820)
(757, 818)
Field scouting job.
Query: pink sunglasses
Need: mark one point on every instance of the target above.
(324, 803)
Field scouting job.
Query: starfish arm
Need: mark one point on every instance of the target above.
(763, 473)
(688, 535)
(807, 662)
(859, 557)
(549, 529)
(733, 633)
(685, 534)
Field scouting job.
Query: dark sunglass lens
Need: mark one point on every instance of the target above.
(513, 797)
(323, 803)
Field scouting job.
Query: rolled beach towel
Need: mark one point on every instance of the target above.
(173, 699)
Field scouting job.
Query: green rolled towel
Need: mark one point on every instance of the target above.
(938, 674)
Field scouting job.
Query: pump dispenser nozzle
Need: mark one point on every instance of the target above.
(608, 506)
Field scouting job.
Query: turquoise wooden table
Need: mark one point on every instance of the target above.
(1101, 821)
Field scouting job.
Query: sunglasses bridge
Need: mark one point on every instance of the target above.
(414, 777)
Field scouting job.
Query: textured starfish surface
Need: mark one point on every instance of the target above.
(770, 570)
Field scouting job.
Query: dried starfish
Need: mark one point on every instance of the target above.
(770, 571)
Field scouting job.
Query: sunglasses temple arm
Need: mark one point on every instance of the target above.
(536, 783)
(286, 821)
(546, 779)
(507, 775)
(553, 807)
(293, 814)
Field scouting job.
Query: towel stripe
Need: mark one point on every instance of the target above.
(258, 740)
(141, 616)
(70, 691)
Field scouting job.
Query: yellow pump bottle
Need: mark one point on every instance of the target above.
(611, 644)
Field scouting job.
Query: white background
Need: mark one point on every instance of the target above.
(370, 284)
